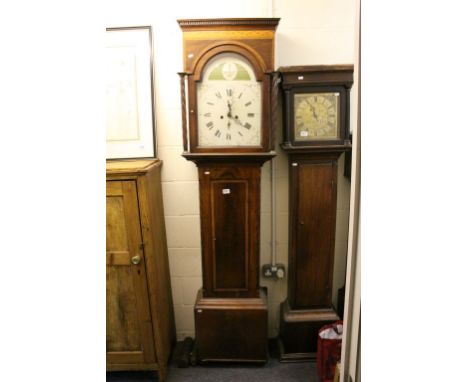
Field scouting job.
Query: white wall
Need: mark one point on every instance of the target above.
(310, 32)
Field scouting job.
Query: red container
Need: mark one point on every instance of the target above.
(329, 350)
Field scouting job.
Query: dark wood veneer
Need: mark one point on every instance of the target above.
(232, 329)
(316, 79)
(312, 231)
(312, 215)
(318, 75)
(299, 331)
(230, 228)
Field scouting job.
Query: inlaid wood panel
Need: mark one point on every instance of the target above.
(229, 214)
(201, 35)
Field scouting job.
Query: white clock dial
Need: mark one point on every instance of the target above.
(229, 104)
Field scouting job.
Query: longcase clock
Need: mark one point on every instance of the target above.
(316, 132)
(226, 92)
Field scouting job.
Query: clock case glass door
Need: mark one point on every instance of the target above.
(296, 103)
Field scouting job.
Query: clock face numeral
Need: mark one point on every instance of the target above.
(228, 96)
(316, 116)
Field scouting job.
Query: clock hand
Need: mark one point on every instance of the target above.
(315, 114)
(237, 120)
(229, 114)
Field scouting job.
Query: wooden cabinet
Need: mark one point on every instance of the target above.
(139, 313)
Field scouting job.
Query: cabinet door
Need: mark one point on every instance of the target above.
(129, 338)
(312, 233)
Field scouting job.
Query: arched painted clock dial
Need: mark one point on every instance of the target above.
(229, 103)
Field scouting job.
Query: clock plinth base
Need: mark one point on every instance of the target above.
(231, 329)
(299, 330)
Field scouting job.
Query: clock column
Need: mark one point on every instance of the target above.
(316, 133)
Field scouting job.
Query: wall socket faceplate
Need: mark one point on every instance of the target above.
(277, 271)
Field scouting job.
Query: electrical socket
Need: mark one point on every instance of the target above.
(277, 271)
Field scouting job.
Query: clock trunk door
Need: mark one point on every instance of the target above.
(313, 201)
(229, 214)
(128, 321)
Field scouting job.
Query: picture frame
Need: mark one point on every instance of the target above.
(130, 111)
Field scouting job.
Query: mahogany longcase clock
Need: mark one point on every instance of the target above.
(316, 133)
(226, 96)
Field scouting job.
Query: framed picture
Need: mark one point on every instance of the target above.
(130, 124)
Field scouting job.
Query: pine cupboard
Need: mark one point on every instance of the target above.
(139, 311)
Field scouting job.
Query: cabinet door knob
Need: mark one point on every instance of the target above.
(136, 260)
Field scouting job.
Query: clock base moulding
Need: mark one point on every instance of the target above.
(299, 331)
(231, 329)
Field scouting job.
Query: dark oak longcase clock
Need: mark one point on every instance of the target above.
(226, 93)
(315, 132)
